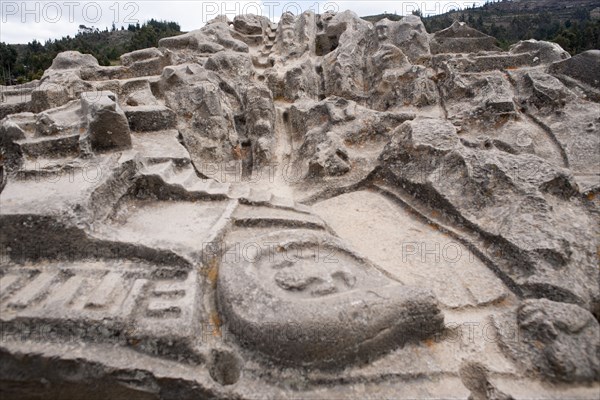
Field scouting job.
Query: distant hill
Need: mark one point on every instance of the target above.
(25, 62)
(574, 24)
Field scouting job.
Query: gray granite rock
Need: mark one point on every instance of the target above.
(107, 125)
(559, 340)
(547, 52)
(583, 67)
(460, 38)
(316, 208)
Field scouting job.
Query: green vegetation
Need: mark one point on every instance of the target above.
(23, 63)
(574, 28)
(576, 34)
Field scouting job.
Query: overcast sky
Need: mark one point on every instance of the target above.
(23, 21)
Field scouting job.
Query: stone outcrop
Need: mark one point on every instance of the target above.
(527, 196)
(556, 339)
(69, 60)
(583, 67)
(285, 308)
(316, 208)
(548, 52)
(107, 125)
(475, 377)
(460, 38)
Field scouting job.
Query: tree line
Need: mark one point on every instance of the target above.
(24, 63)
(579, 33)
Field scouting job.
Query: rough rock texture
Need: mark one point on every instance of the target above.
(516, 201)
(281, 304)
(548, 52)
(475, 377)
(107, 125)
(460, 38)
(319, 208)
(557, 340)
(583, 67)
(73, 60)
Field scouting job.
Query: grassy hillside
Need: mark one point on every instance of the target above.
(574, 24)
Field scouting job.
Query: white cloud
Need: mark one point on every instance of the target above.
(23, 21)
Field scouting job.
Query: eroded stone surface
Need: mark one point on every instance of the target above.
(548, 330)
(107, 125)
(418, 254)
(308, 300)
(318, 208)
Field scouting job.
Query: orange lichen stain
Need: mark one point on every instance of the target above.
(429, 342)
(538, 344)
(215, 322)
(213, 274)
(435, 214)
(591, 196)
(501, 121)
(511, 68)
(211, 271)
(237, 152)
(502, 302)
(82, 130)
(378, 181)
